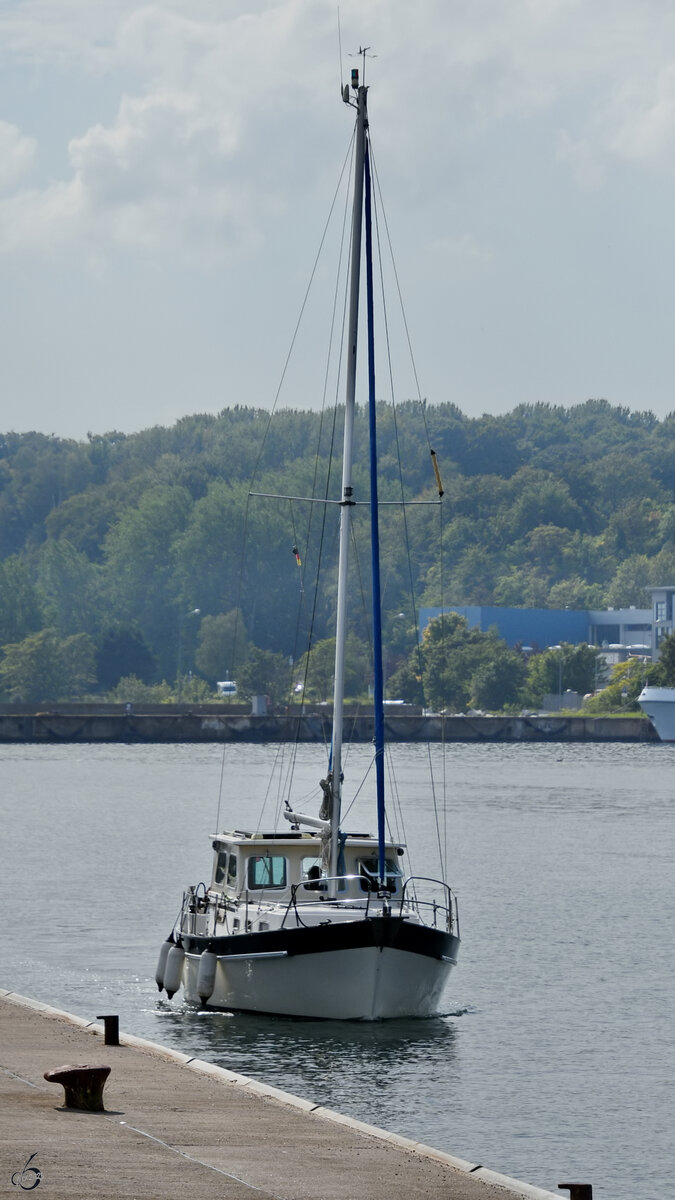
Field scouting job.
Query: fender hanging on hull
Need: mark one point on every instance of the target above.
(173, 975)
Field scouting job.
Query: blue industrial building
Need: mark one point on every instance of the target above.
(628, 629)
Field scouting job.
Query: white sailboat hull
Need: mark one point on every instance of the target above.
(659, 705)
(367, 983)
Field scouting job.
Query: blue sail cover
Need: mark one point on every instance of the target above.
(378, 674)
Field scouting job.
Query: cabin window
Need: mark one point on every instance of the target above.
(266, 871)
(369, 873)
(221, 866)
(232, 870)
(311, 872)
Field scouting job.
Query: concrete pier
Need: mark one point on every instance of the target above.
(209, 723)
(176, 1127)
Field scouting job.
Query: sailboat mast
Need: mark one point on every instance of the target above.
(347, 501)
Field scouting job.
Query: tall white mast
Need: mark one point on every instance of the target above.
(346, 494)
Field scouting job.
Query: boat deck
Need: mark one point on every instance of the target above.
(176, 1127)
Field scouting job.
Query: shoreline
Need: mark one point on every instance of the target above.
(209, 723)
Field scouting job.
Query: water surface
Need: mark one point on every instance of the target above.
(555, 1056)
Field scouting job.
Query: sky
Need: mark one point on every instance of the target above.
(166, 171)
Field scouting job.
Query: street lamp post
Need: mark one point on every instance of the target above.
(558, 650)
(179, 677)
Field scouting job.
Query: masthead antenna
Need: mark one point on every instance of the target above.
(363, 54)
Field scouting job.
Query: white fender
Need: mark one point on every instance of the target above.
(206, 978)
(173, 975)
(161, 962)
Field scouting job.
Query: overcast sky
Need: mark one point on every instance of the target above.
(166, 170)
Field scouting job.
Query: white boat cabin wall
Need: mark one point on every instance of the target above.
(257, 868)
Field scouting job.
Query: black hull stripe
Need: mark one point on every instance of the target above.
(391, 932)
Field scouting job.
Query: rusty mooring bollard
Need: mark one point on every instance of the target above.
(82, 1083)
(578, 1191)
(111, 1032)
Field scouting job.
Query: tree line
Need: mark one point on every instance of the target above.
(143, 561)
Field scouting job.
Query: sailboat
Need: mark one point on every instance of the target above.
(315, 921)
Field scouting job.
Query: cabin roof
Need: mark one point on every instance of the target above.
(242, 838)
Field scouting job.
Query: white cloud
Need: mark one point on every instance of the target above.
(642, 120)
(516, 142)
(220, 103)
(16, 154)
(184, 163)
(42, 221)
(159, 176)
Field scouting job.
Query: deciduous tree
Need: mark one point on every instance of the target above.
(45, 667)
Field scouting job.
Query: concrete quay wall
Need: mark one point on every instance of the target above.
(175, 1126)
(196, 725)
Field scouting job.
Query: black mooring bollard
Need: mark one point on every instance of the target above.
(578, 1191)
(83, 1085)
(111, 1034)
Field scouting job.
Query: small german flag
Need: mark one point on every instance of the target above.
(297, 556)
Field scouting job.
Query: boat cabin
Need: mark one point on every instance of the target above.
(271, 865)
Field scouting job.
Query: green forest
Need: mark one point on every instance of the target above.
(155, 564)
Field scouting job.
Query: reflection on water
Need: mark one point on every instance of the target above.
(332, 1063)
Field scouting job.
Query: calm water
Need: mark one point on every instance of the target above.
(555, 1057)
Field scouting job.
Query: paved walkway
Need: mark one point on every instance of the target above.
(176, 1128)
